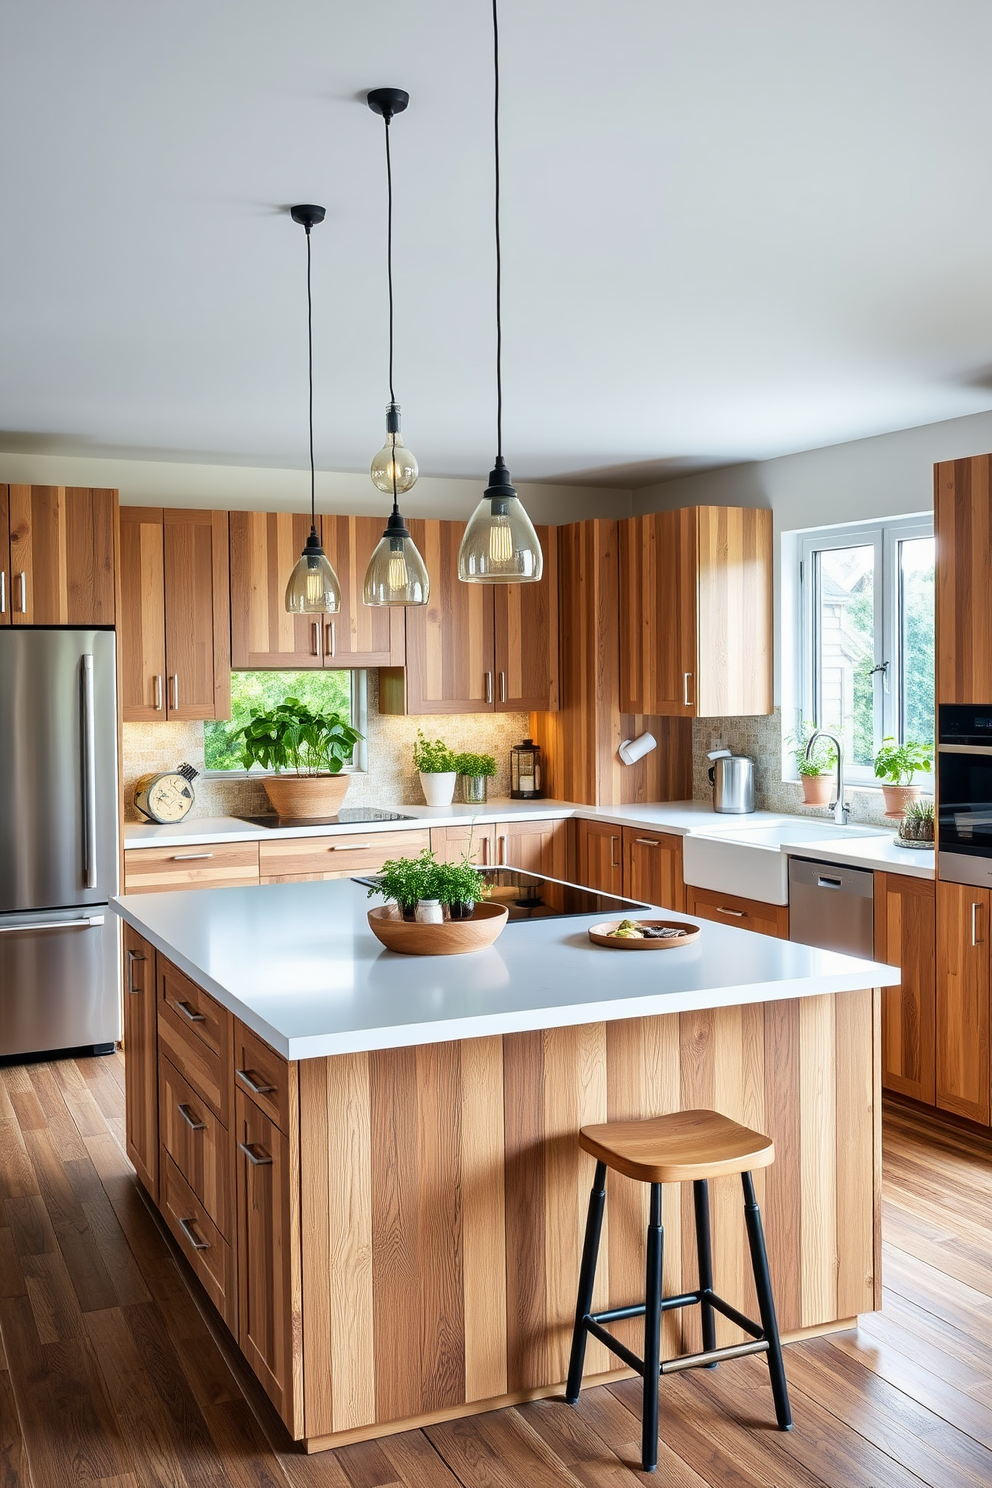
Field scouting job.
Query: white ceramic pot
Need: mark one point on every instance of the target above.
(438, 788)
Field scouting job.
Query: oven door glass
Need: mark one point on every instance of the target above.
(965, 818)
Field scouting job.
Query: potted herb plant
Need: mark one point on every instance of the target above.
(896, 764)
(917, 826)
(438, 771)
(815, 772)
(459, 887)
(306, 751)
(408, 881)
(475, 770)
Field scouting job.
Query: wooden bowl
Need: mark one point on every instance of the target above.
(600, 935)
(452, 938)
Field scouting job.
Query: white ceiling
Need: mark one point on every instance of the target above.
(730, 230)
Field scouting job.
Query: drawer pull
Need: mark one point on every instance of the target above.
(193, 1122)
(197, 1241)
(647, 841)
(260, 1159)
(158, 693)
(132, 957)
(738, 914)
(348, 846)
(191, 1013)
(189, 857)
(256, 1088)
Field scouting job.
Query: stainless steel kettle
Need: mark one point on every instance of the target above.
(732, 778)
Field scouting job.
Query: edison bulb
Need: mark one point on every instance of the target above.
(394, 469)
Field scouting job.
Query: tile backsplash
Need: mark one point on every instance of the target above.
(761, 739)
(390, 779)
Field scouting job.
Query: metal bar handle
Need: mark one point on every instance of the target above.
(331, 640)
(489, 687)
(22, 582)
(613, 861)
(197, 1241)
(89, 775)
(501, 848)
(193, 1122)
(132, 957)
(647, 841)
(259, 1161)
(190, 1013)
(159, 699)
(348, 846)
(502, 687)
(81, 924)
(255, 1086)
(175, 690)
(189, 857)
(315, 637)
(974, 924)
(3, 591)
(738, 914)
(685, 688)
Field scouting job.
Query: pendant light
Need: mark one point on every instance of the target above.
(396, 574)
(313, 587)
(500, 545)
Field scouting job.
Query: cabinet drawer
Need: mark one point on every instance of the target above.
(208, 865)
(197, 1142)
(200, 1241)
(264, 1076)
(195, 1032)
(344, 854)
(731, 909)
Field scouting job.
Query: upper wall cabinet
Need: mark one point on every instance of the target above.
(696, 612)
(476, 648)
(265, 547)
(57, 546)
(175, 619)
(963, 528)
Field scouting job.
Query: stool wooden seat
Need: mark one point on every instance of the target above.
(682, 1147)
(678, 1148)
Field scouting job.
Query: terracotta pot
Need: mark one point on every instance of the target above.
(898, 797)
(439, 787)
(306, 795)
(817, 789)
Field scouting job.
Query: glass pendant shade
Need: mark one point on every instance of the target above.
(396, 575)
(313, 587)
(394, 468)
(500, 545)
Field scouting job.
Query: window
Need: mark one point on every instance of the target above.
(255, 692)
(867, 653)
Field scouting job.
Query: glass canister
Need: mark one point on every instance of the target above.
(525, 771)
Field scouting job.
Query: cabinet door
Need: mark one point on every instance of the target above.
(5, 589)
(535, 846)
(743, 914)
(265, 547)
(268, 1264)
(62, 555)
(360, 635)
(658, 614)
(652, 868)
(906, 936)
(449, 642)
(141, 1059)
(526, 637)
(142, 628)
(453, 844)
(963, 1000)
(197, 615)
(601, 856)
(963, 527)
(733, 599)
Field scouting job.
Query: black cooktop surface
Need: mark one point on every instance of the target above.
(350, 815)
(531, 896)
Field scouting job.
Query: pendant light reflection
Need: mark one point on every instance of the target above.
(500, 545)
(396, 575)
(313, 587)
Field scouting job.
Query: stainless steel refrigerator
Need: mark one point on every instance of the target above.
(59, 980)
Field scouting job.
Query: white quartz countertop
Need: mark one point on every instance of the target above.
(882, 854)
(298, 964)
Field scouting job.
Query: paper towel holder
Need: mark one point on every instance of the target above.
(631, 750)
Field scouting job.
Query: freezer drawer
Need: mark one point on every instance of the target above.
(59, 980)
(832, 907)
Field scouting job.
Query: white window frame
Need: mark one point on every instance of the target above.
(359, 721)
(885, 538)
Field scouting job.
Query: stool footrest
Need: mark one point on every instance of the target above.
(685, 1299)
(593, 1323)
(713, 1356)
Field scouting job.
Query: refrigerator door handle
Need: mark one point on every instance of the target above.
(83, 924)
(89, 775)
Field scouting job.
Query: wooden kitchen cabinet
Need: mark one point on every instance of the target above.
(536, 846)
(205, 865)
(963, 1006)
(476, 648)
(963, 529)
(141, 1056)
(264, 548)
(696, 612)
(175, 620)
(294, 859)
(600, 856)
(733, 909)
(652, 867)
(58, 555)
(905, 936)
(454, 844)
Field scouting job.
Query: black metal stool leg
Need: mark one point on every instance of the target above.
(652, 1333)
(704, 1257)
(766, 1304)
(587, 1279)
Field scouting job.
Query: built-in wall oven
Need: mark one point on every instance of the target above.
(964, 794)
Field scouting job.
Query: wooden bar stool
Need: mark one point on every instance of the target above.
(685, 1147)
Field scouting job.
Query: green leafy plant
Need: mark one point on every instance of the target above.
(459, 883)
(292, 736)
(475, 765)
(432, 756)
(917, 823)
(824, 755)
(408, 880)
(898, 763)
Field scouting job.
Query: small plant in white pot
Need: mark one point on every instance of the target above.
(438, 770)
(895, 765)
(814, 773)
(474, 771)
(307, 752)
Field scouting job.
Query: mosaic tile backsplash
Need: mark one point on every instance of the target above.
(390, 779)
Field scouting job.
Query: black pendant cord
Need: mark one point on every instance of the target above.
(499, 256)
(389, 281)
(313, 478)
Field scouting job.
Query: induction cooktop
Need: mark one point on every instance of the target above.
(351, 815)
(532, 896)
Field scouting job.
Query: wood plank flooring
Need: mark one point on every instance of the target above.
(115, 1374)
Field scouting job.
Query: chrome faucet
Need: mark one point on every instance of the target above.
(838, 807)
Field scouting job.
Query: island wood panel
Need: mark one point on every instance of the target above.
(197, 614)
(5, 588)
(963, 1000)
(963, 528)
(658, 613)
(526, 637)
(203, 865)
(906, 936)
(360, 635)
(264, 549)
(404, 1159)
(142, 629)
(734, 611)
(652, 867)
(141, 1046)
(734, 909)
(288, 858)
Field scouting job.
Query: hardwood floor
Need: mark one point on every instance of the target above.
(113, 1371)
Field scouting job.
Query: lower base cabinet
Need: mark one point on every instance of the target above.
(732, 909)
(906, 936)
(964, 978)
(141, 1043)
(652, 867)
(600, 856)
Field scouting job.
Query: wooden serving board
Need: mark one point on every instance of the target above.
(600, 935)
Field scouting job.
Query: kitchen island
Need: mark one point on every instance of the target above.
(371, 1163)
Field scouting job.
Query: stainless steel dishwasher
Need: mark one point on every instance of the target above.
(831, 907)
